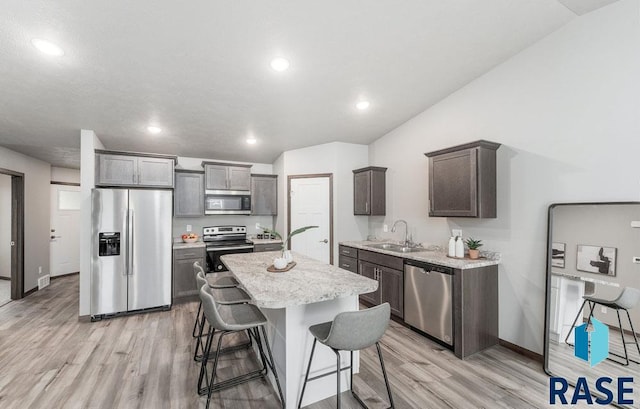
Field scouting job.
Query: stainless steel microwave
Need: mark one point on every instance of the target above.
(227, 202)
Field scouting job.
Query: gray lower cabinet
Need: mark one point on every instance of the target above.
(188, 195)
(348, 263)
(184, 281)
(257, 248)
(264, 195)
(389, 272)
(369, 191)
(462, 180)
(220, 176)
(114, 169)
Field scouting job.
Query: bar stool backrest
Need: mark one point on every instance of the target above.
(210, 308)
(201, 280)
(197, 268)
(355, 330)
(628, 298)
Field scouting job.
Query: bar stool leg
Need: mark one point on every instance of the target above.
(199, 345)
(215, 368)
(566, 340)
(633, 331)
(338, 378)
(624, 343)
(205, 358)
(272, 364)
(384, 373)
(195, 324)
(306, 378)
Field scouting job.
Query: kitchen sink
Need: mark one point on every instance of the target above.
(395, 247)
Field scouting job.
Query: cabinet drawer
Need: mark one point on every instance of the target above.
(183, 254)
(267, 247)
(395, 263)
(348, 251)
(348, 263)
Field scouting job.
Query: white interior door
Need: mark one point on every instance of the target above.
(310, 206)
(64, 255)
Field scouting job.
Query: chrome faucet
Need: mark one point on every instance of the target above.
(406, 230)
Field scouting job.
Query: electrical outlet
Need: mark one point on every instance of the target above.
(635, 224)
(603, 310)
(257, 226)
(40, 270)
(636, 260)
(189, 227)
(385, 228)
(456, 232)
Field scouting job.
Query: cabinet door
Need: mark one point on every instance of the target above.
(157, 172)
(189, 195)
(184, 281)
(453, 184)
(258, 248)
(392, 284)
(239, 178)
(264, 198)
(370, 271)
(362, 193)
(216, 177)
(116, 170)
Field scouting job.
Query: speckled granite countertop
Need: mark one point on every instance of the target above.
(435, 257)
(182, 245)
(265, 241)
(308, 282)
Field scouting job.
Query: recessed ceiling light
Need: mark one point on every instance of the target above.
(362, 105)
(154, 129)
(251, 140)
(47, 47)
(280, 64)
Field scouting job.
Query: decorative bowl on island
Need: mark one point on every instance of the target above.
(189, 237)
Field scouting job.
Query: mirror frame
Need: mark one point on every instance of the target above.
(548, 272)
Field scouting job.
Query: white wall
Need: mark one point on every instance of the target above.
(36, 212)
(89, 142)
(5, 226)
(337, 158)
(197, 223)
(65, 175)
(567, 113)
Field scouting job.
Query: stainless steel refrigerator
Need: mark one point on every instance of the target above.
(131, 250)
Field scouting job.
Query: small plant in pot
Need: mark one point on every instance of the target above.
(473, 245)
(282, 262)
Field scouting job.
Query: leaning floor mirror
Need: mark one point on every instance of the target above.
(593, 298)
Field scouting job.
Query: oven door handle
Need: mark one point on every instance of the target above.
(229, 248)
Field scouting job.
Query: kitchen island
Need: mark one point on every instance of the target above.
(311, 293)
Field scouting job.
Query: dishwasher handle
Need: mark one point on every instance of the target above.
(428, 267)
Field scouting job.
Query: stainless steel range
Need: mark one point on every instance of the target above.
(223, 240)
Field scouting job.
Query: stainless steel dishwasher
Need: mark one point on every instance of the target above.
(428, 299)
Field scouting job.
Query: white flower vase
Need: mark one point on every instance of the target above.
(280, 263)
(287, 256)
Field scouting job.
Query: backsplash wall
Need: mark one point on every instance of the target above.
(197, 223)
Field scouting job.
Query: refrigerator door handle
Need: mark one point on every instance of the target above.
(130, 242)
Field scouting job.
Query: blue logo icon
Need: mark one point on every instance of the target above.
(597, 339)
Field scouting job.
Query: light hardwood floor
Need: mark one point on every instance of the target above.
(48, 359)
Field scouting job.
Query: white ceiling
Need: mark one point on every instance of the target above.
(200, 69)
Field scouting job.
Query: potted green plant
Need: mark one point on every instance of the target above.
(286, 258)
(473, 245)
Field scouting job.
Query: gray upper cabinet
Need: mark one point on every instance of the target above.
(188, 195)
(264, 195)
(116, 170)
(155, 172)
(462, 180)
(369, 191)
(124, 169)
(220, 176)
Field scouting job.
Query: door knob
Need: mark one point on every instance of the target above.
(324, 241)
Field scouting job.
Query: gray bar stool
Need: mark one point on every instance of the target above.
(222, 282)
(351, 331)
(628, 299)
(227, 319)
(226, 296)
